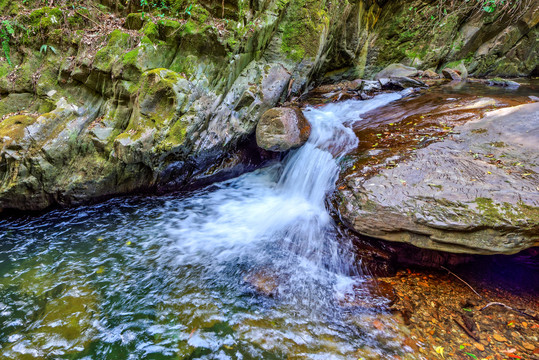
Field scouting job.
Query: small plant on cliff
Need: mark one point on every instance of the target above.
(510, 7)
(45, 47)
(6, 31)
(490, 6)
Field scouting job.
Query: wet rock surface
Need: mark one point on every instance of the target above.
(396, 70)
(431, 182)
(502, 82)
(282, 129)
(399, 83)
(430, 74)
(451, 74)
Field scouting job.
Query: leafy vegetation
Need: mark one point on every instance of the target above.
(6, 31)
(44, 48)
(509, 8)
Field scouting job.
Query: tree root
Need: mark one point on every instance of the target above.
(510, 308)
(521, 312)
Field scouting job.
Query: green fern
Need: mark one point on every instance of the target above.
(5, 32)
(45, 47)
(281, 4)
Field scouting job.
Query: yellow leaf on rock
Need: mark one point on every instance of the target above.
(439, 350)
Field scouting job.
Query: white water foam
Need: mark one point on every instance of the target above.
(276, 218)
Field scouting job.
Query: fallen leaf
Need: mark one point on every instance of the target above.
(479, 346)
(439, 350)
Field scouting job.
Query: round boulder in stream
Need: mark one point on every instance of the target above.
(281, 129)
(475, 192)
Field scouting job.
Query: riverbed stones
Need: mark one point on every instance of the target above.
(370, 86)
(282, 129)
(264, 282)
(400, 83)
(397, 70)
(451, 74)
(430, 74)
(502, 83)
(475, 192)
(461, 68)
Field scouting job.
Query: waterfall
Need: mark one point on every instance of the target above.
(252, 267)
(275, 219)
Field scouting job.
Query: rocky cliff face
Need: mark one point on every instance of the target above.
(500, 41)
(99, 105)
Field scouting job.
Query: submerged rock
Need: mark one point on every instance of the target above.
(397, 70)
(476, 192)
(282, 129)
(264, 282)
(503, 82)
(67, 326)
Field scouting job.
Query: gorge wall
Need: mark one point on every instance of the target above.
(109, 99)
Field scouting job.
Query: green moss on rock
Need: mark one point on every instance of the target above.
(306, 20)
(46, 17)
(521, 214)
(151, 30)
(117, 44)
(134, 21)
(13, 127)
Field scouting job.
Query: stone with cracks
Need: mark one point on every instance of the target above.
(449, 197)
(281, 129)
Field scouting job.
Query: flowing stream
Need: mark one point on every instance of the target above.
(249, 268)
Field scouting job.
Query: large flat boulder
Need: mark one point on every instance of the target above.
(475, 192)
(396, 70)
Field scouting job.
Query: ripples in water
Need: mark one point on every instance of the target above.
(249, 268)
